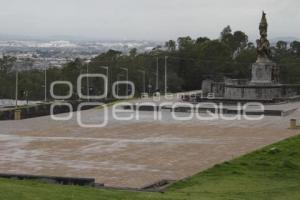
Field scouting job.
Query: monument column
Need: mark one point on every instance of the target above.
(264, 71)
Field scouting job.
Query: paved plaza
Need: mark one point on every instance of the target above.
(132, 153)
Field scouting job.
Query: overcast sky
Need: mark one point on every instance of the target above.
(146, 19)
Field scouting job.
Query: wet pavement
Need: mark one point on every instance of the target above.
(132, 153)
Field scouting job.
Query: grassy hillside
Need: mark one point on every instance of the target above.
(270, 173)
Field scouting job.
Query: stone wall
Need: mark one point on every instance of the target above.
(252, 93)
(261, 92)
(211, 87)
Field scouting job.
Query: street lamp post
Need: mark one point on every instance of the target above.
(17, 83)
(107, 75)
(166, 74)
(45, 82)
(126, 70)
(149, 85)
(87, 80)
(144, 80)
(156, 74)
(118, 78)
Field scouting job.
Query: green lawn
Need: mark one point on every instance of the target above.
(270, 173)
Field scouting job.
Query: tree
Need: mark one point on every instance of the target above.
(281, 45)
(250, 45)
(113, 53)
(295, 47)
(170, 45)
(71, 72)
(133, 52)
(185, 42)
(201, 40)
(7, 63)
(215, 50)
(240, 40)
(237, 40)
(174, 82)
(243, 62)
(226, 35)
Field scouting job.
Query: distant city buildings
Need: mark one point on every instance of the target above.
(39, 54)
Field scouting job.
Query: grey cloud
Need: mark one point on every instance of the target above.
(146, 19)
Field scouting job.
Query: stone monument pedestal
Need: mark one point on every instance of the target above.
(265, 73)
